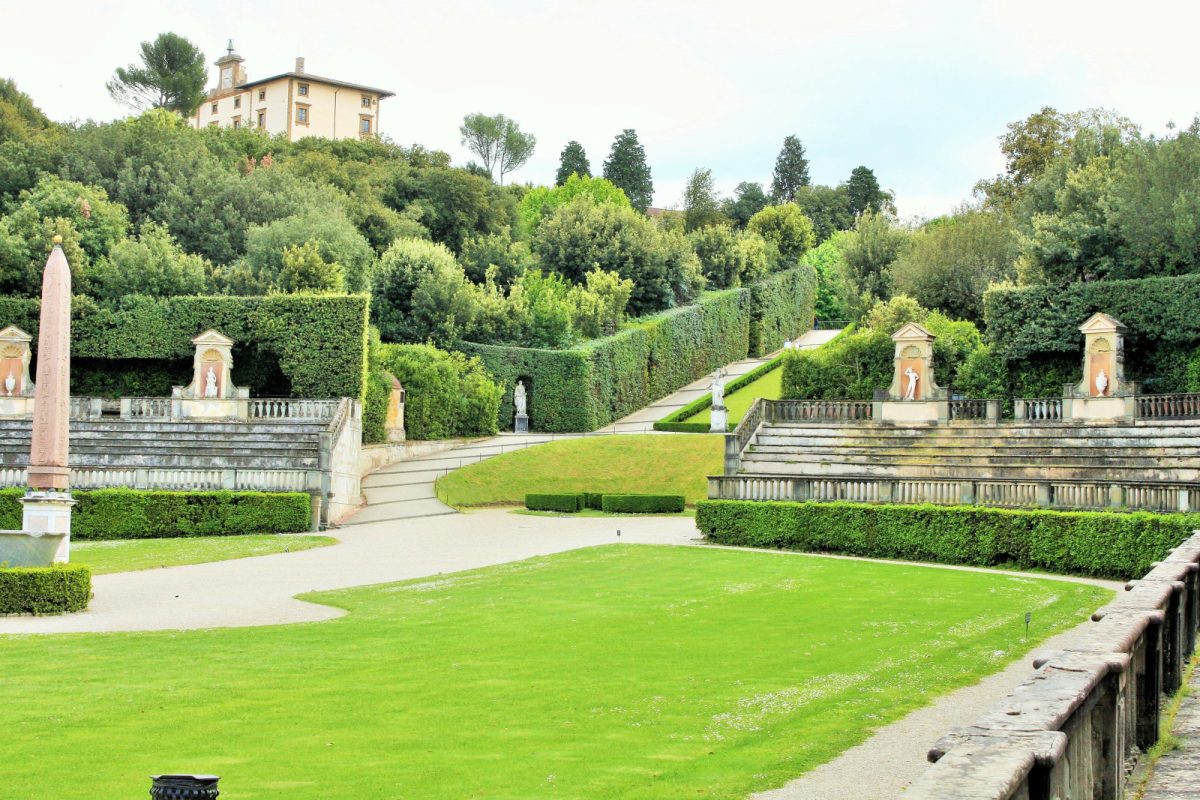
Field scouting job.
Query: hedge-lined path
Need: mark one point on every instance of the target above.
(642, 421)
(1177, 773)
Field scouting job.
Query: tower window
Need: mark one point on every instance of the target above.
(302, 115)
(262, 119)
(302, 90)
(237, 102)
(262, 94)
(366, 101)
(214, 108)
(364, 125)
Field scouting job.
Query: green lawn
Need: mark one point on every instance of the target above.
(127, 555)
(622, 671)
(769, 386)
(647, 463)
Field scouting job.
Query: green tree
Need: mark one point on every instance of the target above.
(721, 257)
(827, 207)
(306, 270)
(835, 295)
(452, 204)
(498, 141)
(495, 254)
(336, 238)
(701, 206)
(951, 262)
(541, 201)
(572, 161)
(171, 76)
(151, 264)
(869, 250)
(786, 227)
(420, 292)
(627, 169)
(863, 192)
(791, 171)
(748, 199)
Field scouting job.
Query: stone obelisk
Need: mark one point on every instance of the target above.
(47, 504)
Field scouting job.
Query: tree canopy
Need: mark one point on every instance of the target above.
(498, 141)
(627, 169)
(791, 171)
(572, 161)
(171, 75)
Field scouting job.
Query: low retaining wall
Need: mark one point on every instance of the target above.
(1076, 728)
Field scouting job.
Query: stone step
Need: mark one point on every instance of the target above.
(379, 480)
(388, 512)
(958, 429)
(167, 427)
(381, 495)
(937, 470)
(154, 461)
(1153, 456)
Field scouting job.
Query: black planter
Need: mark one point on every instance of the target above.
(184, 787)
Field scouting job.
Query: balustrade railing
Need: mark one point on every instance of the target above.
(819, 410)
(260, 480)
(84, 407)
(286, 408)
(968, 409)
(1039, 409)
(1075, 495)
(1168, 406)
(145, 408)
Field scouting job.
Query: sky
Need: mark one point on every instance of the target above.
(917, 91)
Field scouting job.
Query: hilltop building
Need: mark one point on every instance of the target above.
(295, 103)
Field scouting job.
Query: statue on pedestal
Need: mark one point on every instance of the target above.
(911, 392)
(10, 383)
(718, 389)
(1101, 383)
(521, 415)
(210, 383)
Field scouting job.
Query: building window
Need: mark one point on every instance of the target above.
(302, 90)
(262, 94)
(366, 101)
(262, 119)
(214, 108)
(237, 102)
(364, 124)
(302, 115)
(237, 122)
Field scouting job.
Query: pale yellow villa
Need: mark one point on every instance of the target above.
(294, 103)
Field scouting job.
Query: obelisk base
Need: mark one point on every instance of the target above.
(48, 511)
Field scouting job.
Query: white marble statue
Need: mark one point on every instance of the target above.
(911, 392)
(1101, 383)
(718, 389)
(519, 399)
(210, 383)
(787, 344)
(10, 383)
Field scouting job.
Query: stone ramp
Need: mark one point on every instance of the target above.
(1177, 774)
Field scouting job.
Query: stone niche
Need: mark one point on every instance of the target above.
(211, 394)
(394, 421)
(914, 395)
(1103, 393)
(16, 390)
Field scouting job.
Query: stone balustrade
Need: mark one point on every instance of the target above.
(1075, 728)
(257, 480)
(1032, 493)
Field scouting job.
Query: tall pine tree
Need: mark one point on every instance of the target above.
(572, 161)
(863, 189)
(791, 171)
(626, 167)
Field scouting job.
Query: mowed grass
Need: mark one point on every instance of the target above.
(646, 464)
(623, 671)
(128, 555)
(769, 386)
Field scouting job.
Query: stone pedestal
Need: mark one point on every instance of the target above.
(720, 420)
(521, 423)
(211, 394)
(914, 396)
(1103, 395)
(48, 513)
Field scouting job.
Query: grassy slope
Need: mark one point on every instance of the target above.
(136, 554)
(769, 386)
(649, 463)
(622, 671)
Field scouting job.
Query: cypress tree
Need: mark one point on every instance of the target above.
(572, 161)
(626, 168)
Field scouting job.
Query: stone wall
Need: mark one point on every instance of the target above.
(1077, 727)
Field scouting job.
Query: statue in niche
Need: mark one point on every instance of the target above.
(787, 344)
(519, 399)
(210, 383)
(911, 392)
(10, 383)
(1101, 383)
(718, 389)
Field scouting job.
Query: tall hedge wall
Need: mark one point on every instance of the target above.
(589, 386)
(1039, 324)
(320, 341)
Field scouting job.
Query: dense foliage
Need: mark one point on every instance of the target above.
(642, 503)
(1101, 544)
(447, 393)
(61, 589)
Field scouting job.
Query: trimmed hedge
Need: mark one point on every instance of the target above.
(569, 503)
(674, 423)
(59, 589)
(446, 393)
(140, 514)
(589, 386)
(643, 503)
(1096, 543)
(319, 340)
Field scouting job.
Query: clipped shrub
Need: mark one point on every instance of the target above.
(568, 503)
(593, 500)
(153, 514)
(1102, 544)
(643, 503)
(447, 394)
(59, 589)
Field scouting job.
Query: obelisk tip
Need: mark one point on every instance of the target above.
(57, 240)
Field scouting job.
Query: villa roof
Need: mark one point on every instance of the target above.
(318, 79)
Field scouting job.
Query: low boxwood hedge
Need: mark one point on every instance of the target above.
(141, 514)
(569, 503)
(643, 503)
(45, 590)
(1097, 543)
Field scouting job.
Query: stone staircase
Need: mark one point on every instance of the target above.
(128, 444)
(1140, 451)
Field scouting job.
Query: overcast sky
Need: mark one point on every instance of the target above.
(918, 91)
